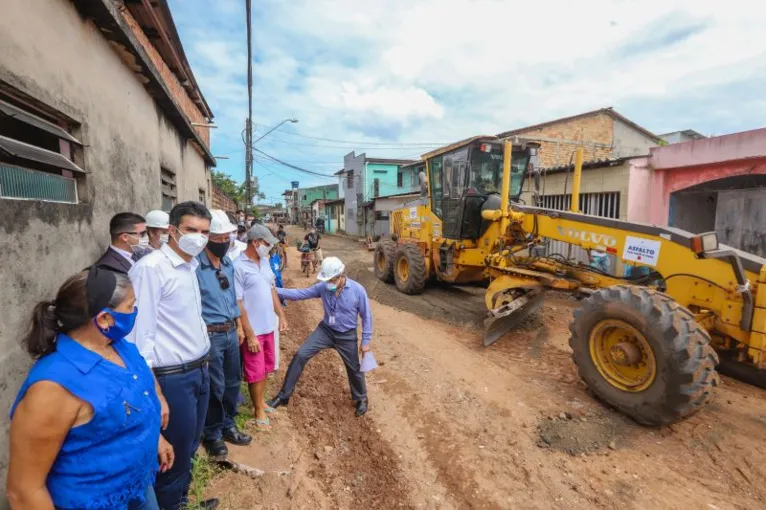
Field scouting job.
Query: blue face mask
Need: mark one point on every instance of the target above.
(123, 324)
(332, 287)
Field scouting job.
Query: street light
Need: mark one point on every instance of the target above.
(293, 120)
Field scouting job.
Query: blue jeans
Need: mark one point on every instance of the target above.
(187, 395)
(225, 377)
(149, 504)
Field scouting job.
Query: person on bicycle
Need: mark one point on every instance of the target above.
(312, 238)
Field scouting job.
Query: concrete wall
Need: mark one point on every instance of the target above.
(386, 175)
(694, 211)
(711, 151)
(50, 53)
(354, 163)
(733, 206)
(386, 205)
(594, 180)
(627, 141)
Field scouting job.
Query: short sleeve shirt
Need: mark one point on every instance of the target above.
(254, 281)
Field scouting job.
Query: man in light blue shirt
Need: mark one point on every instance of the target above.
(344, 301)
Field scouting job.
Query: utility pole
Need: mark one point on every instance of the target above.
(249, 122)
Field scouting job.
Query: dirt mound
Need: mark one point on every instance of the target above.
(584, 434)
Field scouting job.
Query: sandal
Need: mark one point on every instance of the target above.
(262, 425)
(269, 410)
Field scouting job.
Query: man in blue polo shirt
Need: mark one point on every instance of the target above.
(222, 317)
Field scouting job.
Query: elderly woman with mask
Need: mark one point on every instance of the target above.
(85, 429)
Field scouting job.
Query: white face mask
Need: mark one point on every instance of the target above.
(143, 242)
(192, 244)
(164, 238)
(263, 251)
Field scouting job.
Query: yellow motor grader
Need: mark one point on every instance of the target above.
(646, 344)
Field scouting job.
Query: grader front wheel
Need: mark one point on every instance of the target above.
(384, 261)
(409, 269)
(644, 354)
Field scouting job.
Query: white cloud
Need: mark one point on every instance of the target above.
(441, 70)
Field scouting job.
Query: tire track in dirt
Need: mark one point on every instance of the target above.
(355, 465)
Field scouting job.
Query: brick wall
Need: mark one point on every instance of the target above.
(222, 201)
(171, 81)
(559, 141)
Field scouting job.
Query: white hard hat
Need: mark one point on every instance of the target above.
(331, 267)
(220, 223)
(157, 219)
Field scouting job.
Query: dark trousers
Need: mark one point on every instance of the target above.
(325, 338)
(225, 376)
(187, 395)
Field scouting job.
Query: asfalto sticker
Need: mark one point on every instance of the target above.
(639, 249)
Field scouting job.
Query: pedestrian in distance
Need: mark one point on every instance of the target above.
(129, 241)
(262, 315)
(221, 314)
(172, 336)
(344, 301)
(86, 424)
(157, 228)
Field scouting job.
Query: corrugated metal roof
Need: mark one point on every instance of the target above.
(34, 120)
(598, 163)
(31, 153)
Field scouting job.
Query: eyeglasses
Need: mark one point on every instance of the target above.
(222, 280)
(142, 234)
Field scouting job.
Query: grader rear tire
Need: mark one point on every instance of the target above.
(409, 269)
(641, 352)
(384, 261)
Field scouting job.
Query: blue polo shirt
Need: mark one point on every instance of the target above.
(218, 305)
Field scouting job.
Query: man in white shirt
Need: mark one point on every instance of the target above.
(262, 315)
(172, 336)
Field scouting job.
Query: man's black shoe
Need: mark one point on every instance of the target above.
(277, 401)
(236, 437)
(209, 504)
(361, 407)
(216, 449)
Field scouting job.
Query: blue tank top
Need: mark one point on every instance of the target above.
(111, 460)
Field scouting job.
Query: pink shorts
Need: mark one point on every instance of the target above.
(257, 364)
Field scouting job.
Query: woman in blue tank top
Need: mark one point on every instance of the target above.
(85, 429)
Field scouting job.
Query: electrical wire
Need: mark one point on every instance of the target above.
(294, 167)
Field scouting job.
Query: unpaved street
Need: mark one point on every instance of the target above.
(455, 425)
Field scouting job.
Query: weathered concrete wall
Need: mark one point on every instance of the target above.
(711, 151)
(50, 53)
(594, 180)
(733, 206)
(629, 142)
(694, 211)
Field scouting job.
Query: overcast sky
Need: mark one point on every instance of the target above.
(390, 77)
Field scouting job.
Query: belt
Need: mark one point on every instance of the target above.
(183, 368)
(221, 328)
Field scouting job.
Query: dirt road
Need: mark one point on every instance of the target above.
(455, 425)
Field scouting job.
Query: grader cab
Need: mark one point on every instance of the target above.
(646, 344)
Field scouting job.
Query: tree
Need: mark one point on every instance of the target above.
(236, 191)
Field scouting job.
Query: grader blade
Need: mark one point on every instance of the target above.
(508, 316)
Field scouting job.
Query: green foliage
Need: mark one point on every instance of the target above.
(235, 190)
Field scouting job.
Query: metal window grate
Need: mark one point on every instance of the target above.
(21, 183)
(606, 205)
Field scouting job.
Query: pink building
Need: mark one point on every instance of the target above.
(704, 185)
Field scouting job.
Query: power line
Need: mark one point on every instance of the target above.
(310, 172)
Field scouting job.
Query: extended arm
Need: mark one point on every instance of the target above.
(314, 291)
(366, 314)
